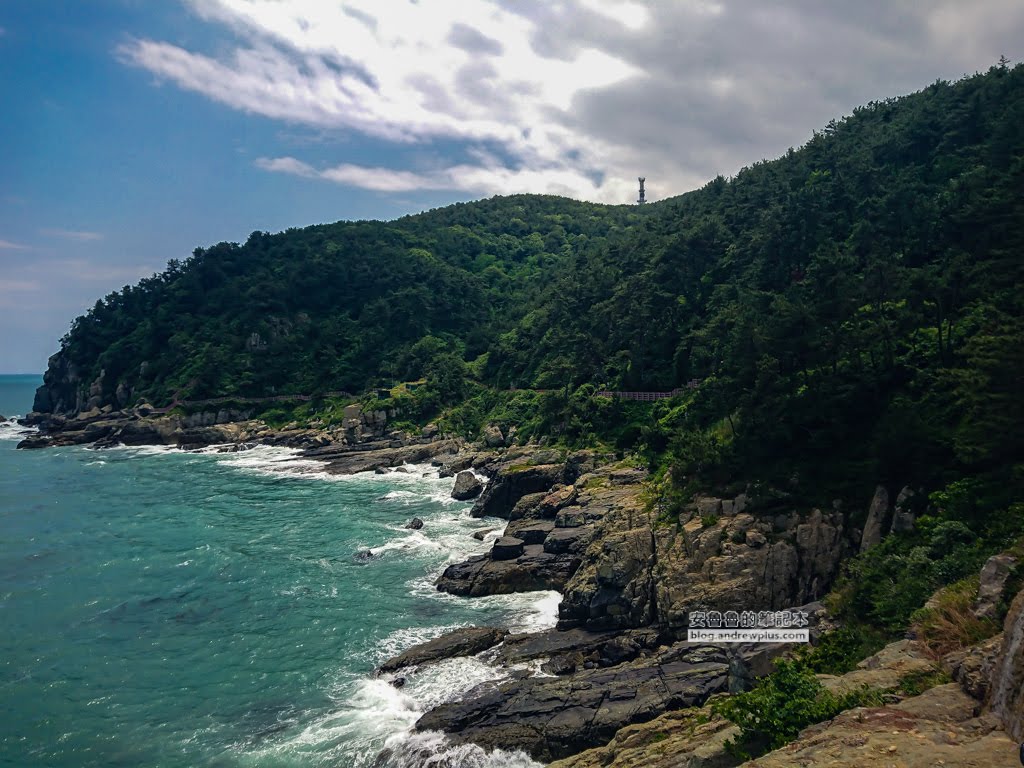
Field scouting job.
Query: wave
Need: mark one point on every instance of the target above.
(373, 725)
(12, 430)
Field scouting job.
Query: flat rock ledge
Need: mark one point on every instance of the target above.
(461, 642)
(554, 717)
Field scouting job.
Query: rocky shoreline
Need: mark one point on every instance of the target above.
(618, 661)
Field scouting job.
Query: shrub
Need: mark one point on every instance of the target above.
(781, 705)
(839, 651)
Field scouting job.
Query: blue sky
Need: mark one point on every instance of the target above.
(134, 131)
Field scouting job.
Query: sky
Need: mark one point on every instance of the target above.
(133, 131)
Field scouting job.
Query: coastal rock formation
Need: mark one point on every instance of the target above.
(466, 486)
(461, 642)
(636, 572)
(511, 483)
(348, 460)
(555, 717)
(552, 525)
(938, 727)
(486, 575)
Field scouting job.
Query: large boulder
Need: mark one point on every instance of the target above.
(903, 515)
(507, 548)
(492, 436)
(877, 512)
(467, 486)
(461, 642)
(995, 575)
(533, 570)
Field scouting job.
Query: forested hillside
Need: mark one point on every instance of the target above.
(852, 310)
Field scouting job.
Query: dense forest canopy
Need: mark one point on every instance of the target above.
(853, 306)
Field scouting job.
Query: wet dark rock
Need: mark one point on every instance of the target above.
(511, 484)
(507, 548)
(466, 486)
(398, 682)
(534, 569)
(530, 531)
(366, 555)
(550, 718)
(461, 642)
(415, 524)
(482, 533)
(569, 540)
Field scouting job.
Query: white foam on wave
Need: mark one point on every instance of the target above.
(274, 460)
(374, 716)
(12, 430)
(142, 450)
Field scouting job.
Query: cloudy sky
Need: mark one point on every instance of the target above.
(134, 131)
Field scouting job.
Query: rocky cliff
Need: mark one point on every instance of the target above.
(716, 556)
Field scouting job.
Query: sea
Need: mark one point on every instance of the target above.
(168, 608)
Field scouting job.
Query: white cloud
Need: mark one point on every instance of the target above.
(573, 91)
(81, 236)
(20, 286)
(7, 245)
(481, 179)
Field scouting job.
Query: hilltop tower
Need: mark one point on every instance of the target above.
(642, 199)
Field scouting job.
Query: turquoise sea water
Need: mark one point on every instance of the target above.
(163, 608)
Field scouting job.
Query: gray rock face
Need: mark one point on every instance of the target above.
(531, 531)
(461, 642)
(466, 486)
(534, 569)
(492, 436)
(903, 516)
(415, 524)
(509, 486)
(507, 548)
(551, 718)
(634, 573)
(1007, 691)
(877, 513)
(994, 576)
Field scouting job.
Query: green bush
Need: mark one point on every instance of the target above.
(839, 651)
(781, 705)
